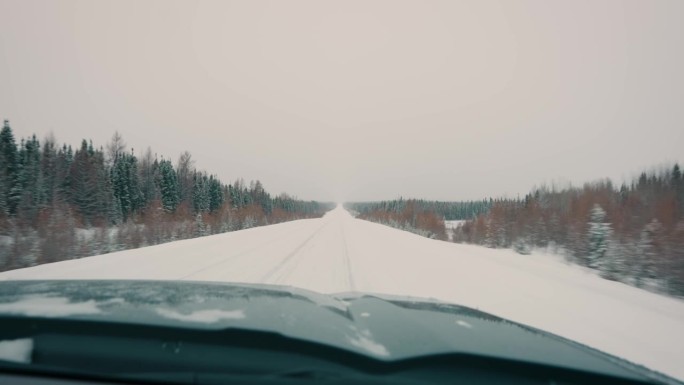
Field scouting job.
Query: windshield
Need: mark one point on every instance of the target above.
(517, 159)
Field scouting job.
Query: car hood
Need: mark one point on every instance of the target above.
(385, 328)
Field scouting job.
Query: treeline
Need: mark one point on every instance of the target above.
(633, 233)
(421, 217)
(60, 203)
(446, 210)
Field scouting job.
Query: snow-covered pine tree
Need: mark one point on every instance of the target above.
(646, 265)
(126, 184)
(9, 169)
(216, 195)
(29, 185)
(678, 184)
(201, 228)
(168, 186)
(599, 234)
(200, 192)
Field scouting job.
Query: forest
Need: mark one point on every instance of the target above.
(418, 216)
(632, 233)
(447, 210)
(59, 203)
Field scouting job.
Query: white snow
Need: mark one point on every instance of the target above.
(464, 324)
(202, 316)
(453, 223)
(49, 307)
(6, 240)
(18, 350)
(338, 253)
(369, 345)
(364, 340)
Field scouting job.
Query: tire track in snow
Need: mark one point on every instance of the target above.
(347, 261)
(241, 253)
(279, 267)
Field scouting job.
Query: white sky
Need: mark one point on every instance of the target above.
(358, 100)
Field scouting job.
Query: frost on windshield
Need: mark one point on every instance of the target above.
(464, 324)
(16, 350)
(364, 339)
(49, 307)
(202, 316)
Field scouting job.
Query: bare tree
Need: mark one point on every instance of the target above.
(185, 169)
(115, 147)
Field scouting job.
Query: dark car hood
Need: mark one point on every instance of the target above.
(377, 326)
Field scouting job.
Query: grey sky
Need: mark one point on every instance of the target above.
(358, 99)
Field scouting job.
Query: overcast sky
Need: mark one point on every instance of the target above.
(358, 100)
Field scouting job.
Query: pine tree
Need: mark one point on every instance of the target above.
(645, 265)
(125, 183)
(201, 228)
(48, 170)
(599, 233)
(216, 194)
(9, 169)
(30, 185)
(678, 184)
(65, 157)
(90, 187)
(200, 193)
(168, 186)
(147, 175)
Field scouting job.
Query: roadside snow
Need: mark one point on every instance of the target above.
(338, 253)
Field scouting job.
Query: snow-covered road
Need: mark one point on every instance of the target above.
(338, 253)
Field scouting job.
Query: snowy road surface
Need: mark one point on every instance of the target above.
(338, 253)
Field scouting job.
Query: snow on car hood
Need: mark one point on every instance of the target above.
(382, 327)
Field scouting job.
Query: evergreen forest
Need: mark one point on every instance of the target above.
(58, 202)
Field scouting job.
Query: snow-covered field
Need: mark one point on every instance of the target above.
(338, 253)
